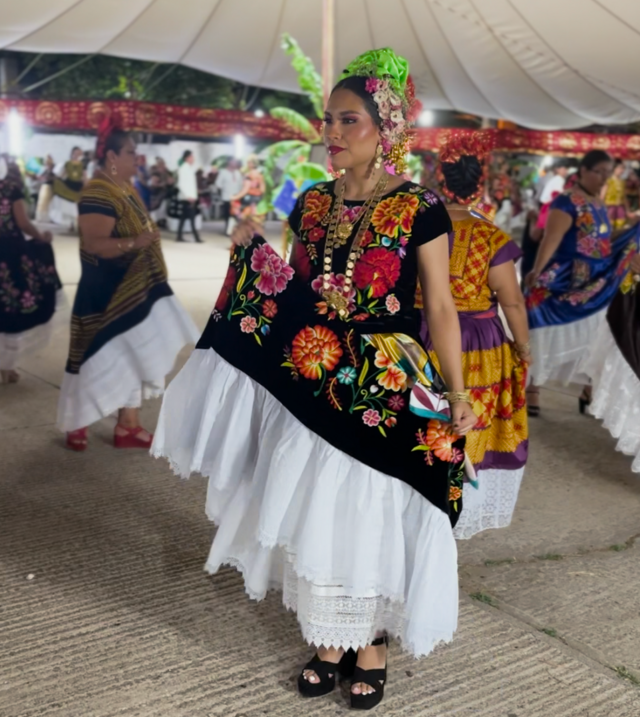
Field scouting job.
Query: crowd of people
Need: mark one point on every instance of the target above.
(372, 371)
(182, 195)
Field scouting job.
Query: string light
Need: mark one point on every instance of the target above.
(426, 118)
(14, 124)
(239, 146)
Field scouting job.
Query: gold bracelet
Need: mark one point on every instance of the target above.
(129, 247)
(458, 397)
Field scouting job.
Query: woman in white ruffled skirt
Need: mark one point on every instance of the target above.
(335, 462)
(127, 327)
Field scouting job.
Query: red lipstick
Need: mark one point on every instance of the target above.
(333, 150)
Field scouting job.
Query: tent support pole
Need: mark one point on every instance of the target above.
(328, 47)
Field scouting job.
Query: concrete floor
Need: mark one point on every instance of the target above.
(119, 618)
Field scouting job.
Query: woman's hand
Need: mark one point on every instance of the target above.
(524, 354)
(244, 232)
(46, 237)
(463, 419)
(635, 264)
(531, 278)
(142, 241)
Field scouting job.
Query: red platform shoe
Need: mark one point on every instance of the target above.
(132, 438)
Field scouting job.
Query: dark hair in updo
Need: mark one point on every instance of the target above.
(357, 85)
(115, 141)
(593, 158)
(463, 178)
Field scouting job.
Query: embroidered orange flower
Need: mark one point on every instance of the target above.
(393, 379)
(395, 213)
(315, 350)
(382, 360)
(440, 440)
(316, 206)
(455, 493)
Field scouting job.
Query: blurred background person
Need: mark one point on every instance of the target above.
(230, 182)
(253, 189)
(67, 185)
(187, 195)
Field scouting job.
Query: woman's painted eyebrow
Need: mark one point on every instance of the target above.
(343, 113)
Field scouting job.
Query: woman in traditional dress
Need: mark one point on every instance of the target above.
(577, 272)
(245, 203)
(614, 365)
(45, 192)
(29, 285)
(313, 409)
(614, 195)
(127, 327)
(483, 277)
(67, 185)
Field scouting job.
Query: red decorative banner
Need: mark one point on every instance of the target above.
(203, 123)
(623, 146)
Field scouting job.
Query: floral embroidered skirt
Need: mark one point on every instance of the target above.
(332, 473)
(29, 286)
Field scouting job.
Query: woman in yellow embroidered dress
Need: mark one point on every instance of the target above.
(614, 196)
(127, 326)
(483, 276)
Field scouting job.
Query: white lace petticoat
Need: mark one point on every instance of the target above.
(353, 550)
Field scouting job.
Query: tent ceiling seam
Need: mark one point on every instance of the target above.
(27, 35)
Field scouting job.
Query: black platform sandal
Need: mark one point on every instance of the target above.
(532, 411)
(376, 679)
(326, 672)
(584, 402)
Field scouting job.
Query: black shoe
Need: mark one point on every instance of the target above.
(198, 240)
(533, 411)
(179, 239)
(583, 403)
(326, 672)
(374, 678)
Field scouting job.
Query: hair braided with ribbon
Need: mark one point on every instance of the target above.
(462, 166)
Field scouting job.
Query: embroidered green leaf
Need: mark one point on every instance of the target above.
(381, 429)
(360, 408)
(237, 313)
(372, 304)
(420, 448)
(370, 292)
(257, 338)
(363, 373)
(242, 279)
(288, 364)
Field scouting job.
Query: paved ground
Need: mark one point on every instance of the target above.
(119, 618)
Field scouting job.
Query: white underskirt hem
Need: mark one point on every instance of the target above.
(353, 550)
(16, 347)
(129, 368)
(63, 212)
(616, 394)
(559, 351)
(491, 505)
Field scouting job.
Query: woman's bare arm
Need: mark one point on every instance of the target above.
(558, 224)
(503, 281)
(96, 232)
(22, 220)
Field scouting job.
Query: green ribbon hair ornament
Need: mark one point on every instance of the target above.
(383, 64)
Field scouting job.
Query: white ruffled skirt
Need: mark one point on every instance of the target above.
(492, 504)
(353, 550)
(616, 394)
(558, 351)
(128, 369)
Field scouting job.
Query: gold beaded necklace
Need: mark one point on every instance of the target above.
(337, 297)
(142, 216)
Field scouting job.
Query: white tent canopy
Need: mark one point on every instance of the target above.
(542, 63)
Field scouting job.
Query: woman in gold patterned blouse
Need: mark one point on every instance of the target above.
(127, 327)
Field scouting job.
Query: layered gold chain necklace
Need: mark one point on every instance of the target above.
(337, 297)
(143, 216)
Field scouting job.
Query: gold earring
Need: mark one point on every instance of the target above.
(114, 171)
(378, 163)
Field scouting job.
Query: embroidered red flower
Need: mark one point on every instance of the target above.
(316, 234)
(270, 308)
(378, 270)
(300, 260)
(227, 288)
(316, 206)
(274, 272)
(536, 296)
(395, 213)
(396, 402)
(315, 350)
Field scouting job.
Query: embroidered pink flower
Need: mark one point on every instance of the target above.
(371, 418)
(275, 273)
(392, 304)
(270, 308)
(248, 325)
(28, 300)
(396, 402)
(251, 295)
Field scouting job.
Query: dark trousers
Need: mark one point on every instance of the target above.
(188, 212)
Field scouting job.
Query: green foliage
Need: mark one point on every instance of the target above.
(297, 123)
(114, 78)
(308, 78)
